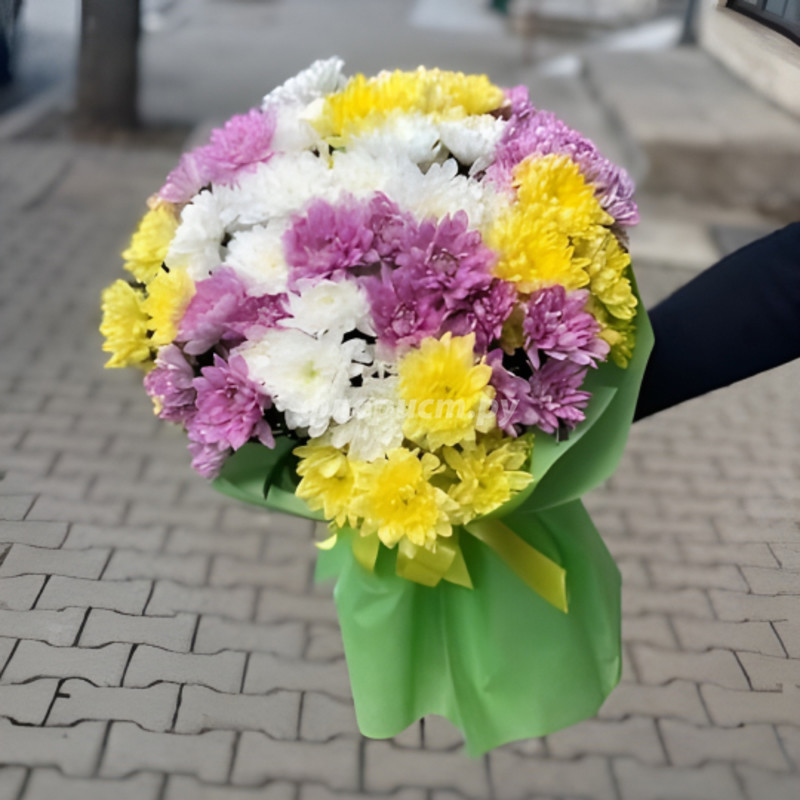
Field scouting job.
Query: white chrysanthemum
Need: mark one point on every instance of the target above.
(258, 258)
(280, 187)
(472, 140)
(322, 77)
(197, 244)
(441, 191)
(335, 307)
(376, 424)
(293, 132)
(414, 136)
(362, 173)
(307, 378)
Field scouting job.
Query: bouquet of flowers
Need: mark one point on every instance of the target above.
(403, 304)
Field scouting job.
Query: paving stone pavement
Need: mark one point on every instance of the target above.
(161, 642)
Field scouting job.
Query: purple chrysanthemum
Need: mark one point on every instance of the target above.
(326, 240)
(542, 133)
(207, 459)
(230, 407)
(390, 227)
(555, 397)
(557, 324)
(244, 140)
(170, 385)
(221, 311)
(442, 281)
(512, 394)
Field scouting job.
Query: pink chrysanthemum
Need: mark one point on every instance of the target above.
(555, 398)
(170, 385)
(230, 407)
(243, 141)
(557, 324)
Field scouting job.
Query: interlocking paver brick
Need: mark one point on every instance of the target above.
(141, 538)
(186, 568)
(170, 597)
(766, 785)
(325, 717)
(787, 554)
(687, 602)
(517, 777)
(745, 530)
(180, 787)
(244, 544)
(690, 745)
(769, 674)
(707, 576)
(115, 489)
(276, 714)
(47, 784)
(660, 526)
(130, 749)
(27, 703)
(752, 554)
(315, 791)
(6, 648)
(279, 606)
(636, 736)
(291, 577)
(728, 707)
(677, 698)
(152, 708)
(103, 666)
(789, 634)
(73, 750)
(54, 509)
(144, 512)
(649, 628)
(56, 487)
(790, 736)
(266, 672)
(714, 666)
(324, 643)
(127, 597)
(37, 534)
(69, 463)
(54, 627)
(441, 734)
(170, 633)
(25, 560)
(758, 637)
(738, 607)
(222, 671)
(15, 506)
(259, 758)
(11, 782)
(20, 593)
(215, 634)
(763, 580)
(645, 782)
(633, 572)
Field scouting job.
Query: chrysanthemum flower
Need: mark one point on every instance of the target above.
(446, 392)
(365, 102)
(170, 387)
(168, 294)
(148, 247)
(607, 268)
(488, 474)
(124, 326)
(556, 398)
(397, 501)
(328, 479)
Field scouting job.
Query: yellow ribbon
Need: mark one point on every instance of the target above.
(446, 561)
(543, 575)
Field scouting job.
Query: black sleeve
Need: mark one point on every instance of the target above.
(736, 319)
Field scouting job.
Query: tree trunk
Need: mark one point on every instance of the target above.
(108, 80)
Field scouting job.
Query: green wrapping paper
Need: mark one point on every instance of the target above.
(498, 660)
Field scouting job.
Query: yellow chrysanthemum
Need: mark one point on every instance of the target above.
(488, 473)
(168, 294)
(365, 102)
(619, 333)
(447, 394)
(534, 253)
(535, 241)
(148, 247)
(124, 326)
(607, 268)
(397, 500)
(553, 188)
(328, 480)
